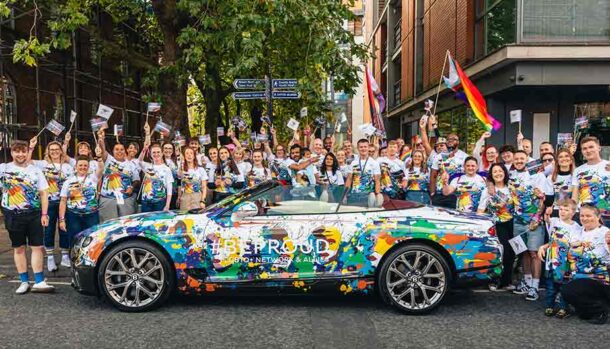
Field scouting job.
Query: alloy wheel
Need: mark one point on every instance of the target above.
(134, 277)
(416, 280)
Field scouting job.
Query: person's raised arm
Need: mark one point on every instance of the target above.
(478, 147)
(66, 144)
(424, 136)
(273, 132)
(102, 144)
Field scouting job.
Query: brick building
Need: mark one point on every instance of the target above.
(78, 78)
(549, 58)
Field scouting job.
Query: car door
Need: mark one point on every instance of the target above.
(285, 237)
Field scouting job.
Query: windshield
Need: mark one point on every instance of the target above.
(233, 199)
(274, 199)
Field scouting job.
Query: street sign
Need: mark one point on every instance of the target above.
(249, 95)
(286, 95)
(284, 83)
(244, 84)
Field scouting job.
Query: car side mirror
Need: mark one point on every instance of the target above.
(244, 210)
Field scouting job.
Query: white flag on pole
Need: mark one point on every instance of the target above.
(104, 111)
(515, 116)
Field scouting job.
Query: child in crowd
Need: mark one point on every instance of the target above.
(562, 231)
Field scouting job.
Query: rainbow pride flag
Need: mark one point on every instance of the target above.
(474, 98)
(404, 156)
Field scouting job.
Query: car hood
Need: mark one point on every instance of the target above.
(137, 224)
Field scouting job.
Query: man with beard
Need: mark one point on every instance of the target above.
(452, 163)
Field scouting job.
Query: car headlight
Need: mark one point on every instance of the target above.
(86, 241)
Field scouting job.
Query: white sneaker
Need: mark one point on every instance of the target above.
(65, 260)
(23, 288)
(43, 287)
(51, 266)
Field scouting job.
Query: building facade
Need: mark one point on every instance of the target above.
(548, 58)
(79, 79)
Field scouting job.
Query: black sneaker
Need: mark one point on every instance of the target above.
(599, 319)
(521, 288)
(532, 294)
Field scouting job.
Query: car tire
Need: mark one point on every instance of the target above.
(135, 286)
(418, 289)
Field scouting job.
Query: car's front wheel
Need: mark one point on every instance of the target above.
(135, 276)
(414, 278)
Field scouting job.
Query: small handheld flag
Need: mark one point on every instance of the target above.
(98, 123)
(153, 107)
(118, 130)
(163, 128)
(293, 124)
(55, 127)
(104, 111)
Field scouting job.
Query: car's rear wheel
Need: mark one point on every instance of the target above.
(414, 278)
(135, 276)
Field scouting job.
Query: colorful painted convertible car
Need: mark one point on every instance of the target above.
(276, 237)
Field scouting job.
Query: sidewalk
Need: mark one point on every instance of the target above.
(7, 266)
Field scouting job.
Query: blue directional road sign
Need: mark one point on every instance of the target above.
(284, 83)
(286, 95)
(249, 95)
(248, 84)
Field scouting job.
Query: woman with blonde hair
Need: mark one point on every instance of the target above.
(56, 170)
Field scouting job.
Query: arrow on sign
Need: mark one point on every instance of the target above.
(286, 95)
(284, 83)
(241, 84)
(249, 95)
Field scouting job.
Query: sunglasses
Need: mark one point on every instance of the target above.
(548, 160)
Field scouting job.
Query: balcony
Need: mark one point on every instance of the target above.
(397, 34)
(396, 94)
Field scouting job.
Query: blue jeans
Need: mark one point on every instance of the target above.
(552, 290)
(49, 230)
(75, 223)
(418, 196)
(148, 206)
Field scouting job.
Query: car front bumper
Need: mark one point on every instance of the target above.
(84, 280)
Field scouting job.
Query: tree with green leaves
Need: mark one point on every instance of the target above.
(210, 43)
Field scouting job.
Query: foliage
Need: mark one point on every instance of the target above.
(209, 43)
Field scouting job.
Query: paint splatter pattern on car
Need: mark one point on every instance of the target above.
(294, 250)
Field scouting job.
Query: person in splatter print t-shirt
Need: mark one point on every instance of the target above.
(591, 181)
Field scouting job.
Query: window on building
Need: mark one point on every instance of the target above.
(495, 25)
(8, 102)
(355, 26)
(8, 108)
(566, 21)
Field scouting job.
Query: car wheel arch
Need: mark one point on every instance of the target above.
(133, 238)
(433, 244)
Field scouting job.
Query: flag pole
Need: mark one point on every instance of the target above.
(41, 131)
(440, 81)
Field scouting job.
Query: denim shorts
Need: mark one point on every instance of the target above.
(533, 239)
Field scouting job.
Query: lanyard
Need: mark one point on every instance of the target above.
(360, 165)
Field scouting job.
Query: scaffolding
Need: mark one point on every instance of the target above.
(69, 70)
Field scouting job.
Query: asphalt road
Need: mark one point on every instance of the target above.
(466, 319)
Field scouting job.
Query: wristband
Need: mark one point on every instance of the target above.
(44, 214)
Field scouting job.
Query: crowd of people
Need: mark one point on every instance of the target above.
(559, 209)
